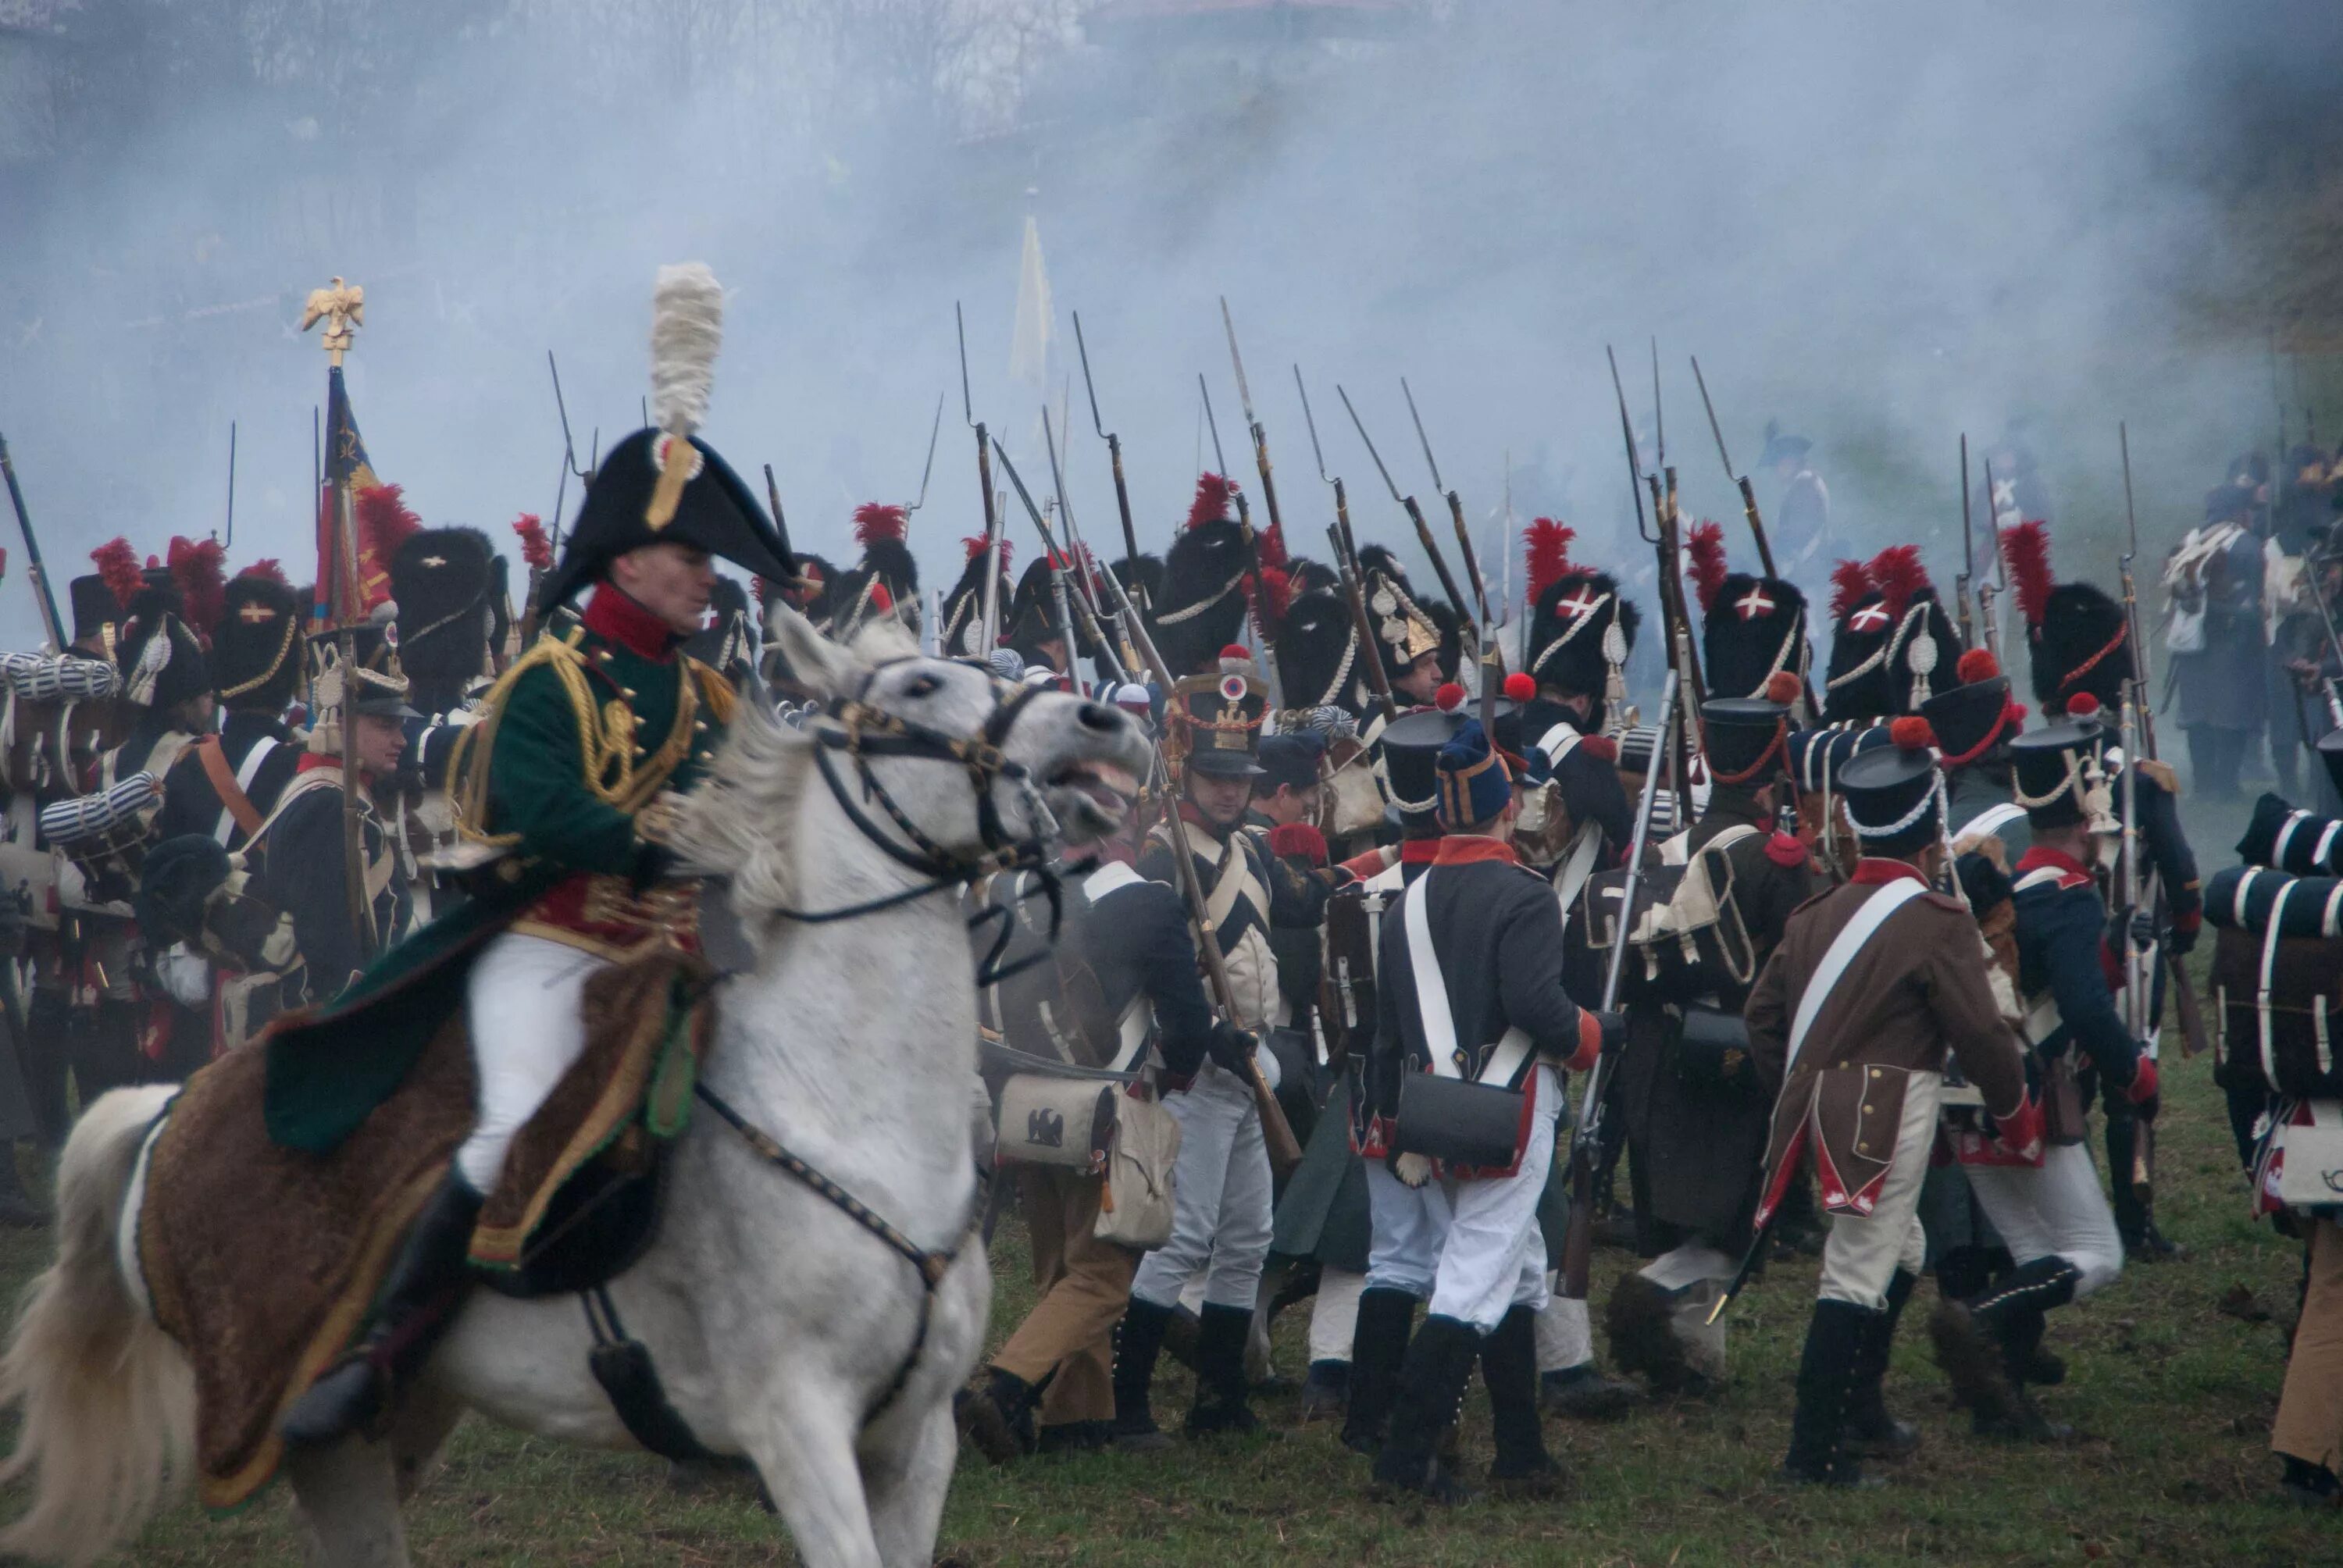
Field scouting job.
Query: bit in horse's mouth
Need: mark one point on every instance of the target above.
(1109, 788)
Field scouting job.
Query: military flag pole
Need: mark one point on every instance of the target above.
(342, 308)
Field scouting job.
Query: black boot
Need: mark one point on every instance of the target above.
(1871, 1430)
(1378, 1348)
(425, 1287)
(1836, 1339)
(1430, 1389)
(18, 1208)
(996, 1414)
(1640, 1319)
(1973, 1345)
(1220, 1383)
(1523, 1468)
(1324, 1391)
(1138, 1340)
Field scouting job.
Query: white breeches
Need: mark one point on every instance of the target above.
(2055, 1210)
(1335, 1315)
(1863, 1251)
(523, 1001)
(1405, 1228)
(1221, 1198)
(1494, 1255)
(1565, 1336)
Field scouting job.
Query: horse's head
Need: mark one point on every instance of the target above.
(972, 761)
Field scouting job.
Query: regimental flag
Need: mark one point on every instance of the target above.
(339, 601)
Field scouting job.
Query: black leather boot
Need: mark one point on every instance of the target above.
(426, 1286)
(1871, 1430)
(1431, 1389)
(1137, 1342)
(996, 1414)
(1975, 1341)
(1521, 1467)
(1819, 1454)
(1221, 1388)
(1378, 1348)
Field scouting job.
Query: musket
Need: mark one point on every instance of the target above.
(1076, 549)
(1748, 491)
(773, 502)
(935, 428)
(1578, 1247)
(231, 485)
(1968, 553)
(47, 600)
(1659, 411)
(989, 627)
(1663, 538)
(1113, 446)
(1252, 422)
(1368, 651)
(1255, 602)
(1071, 608)
(1455, 515)
(1415, 513)
(1276, 1132)
(1986, 593)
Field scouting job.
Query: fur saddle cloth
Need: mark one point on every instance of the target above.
(263, 1261)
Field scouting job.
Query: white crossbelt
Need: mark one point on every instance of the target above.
(1432, 1000)
(1136, 1023)
(1991, 820)
(243, 777)
(1850, 941)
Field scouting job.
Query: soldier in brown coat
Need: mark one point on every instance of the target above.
(1874, 986)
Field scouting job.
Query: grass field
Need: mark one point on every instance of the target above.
(2173, 1396)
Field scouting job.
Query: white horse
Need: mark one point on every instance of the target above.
(778, 1322)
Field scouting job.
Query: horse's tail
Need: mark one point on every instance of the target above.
(106, 1401)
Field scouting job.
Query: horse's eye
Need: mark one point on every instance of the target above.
(923, 685)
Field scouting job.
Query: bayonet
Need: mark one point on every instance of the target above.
(1113, 449)
(42, 595)
(1659, 414)
(231, 484)
(1464, 549)
(935, 428)
(1415, 513)
(1252, 422)
(989, 629)
(1748, 491)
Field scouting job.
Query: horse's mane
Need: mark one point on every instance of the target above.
(742, 822)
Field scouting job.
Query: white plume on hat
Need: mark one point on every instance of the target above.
(686, 330)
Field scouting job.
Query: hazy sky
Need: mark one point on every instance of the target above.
(1880, 225)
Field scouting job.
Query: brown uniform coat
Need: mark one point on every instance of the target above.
(1915, 992)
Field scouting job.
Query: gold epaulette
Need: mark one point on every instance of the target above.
(715, 690)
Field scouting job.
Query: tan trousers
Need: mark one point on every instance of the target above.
(1084, 1285)
(2309, 1423)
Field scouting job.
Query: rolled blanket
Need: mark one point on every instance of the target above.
(2290, 839)
(68, 823)
(2241, 898)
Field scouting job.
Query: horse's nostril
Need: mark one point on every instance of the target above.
(1099, 717)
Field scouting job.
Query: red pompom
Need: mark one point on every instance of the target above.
(118, 563)
(1784, 687)
(1298, 838)
(1850, 580)
(536, 546)
(1784, 850)
(1911, 732)
(1519, 686)
(1269, 545)
(268, 569)
(1448, 697)
(2025, 549)
(874, 521)
(2082, 705)
(1978, 664)
(1546, 548)
(1706, 543)
(1270, 594)
(1211, 503)
(1236, 650)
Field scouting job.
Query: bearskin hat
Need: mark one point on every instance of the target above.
(812, 593)
(255, 652)
(1405, 627)
(2082, 645)
(1201, 607)
(1751, 627)
(1318, 654)
(440, 580)
(1031, 617)
(1855, 689)
(728, 644)
(161, 658)
(963, 606)
(1572, 645)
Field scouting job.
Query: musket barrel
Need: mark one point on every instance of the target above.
(42, 594)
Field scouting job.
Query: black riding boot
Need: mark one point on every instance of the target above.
(1509, 1372)
(1220, 1384)
(1378, 1348)
(1871, 1430)
(425, 1287)
(1430, 1389)
(1977, 1339)
(1836, 1342)
(1137, 1342)
(995, 1411)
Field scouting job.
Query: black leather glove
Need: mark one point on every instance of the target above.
(652, 864)
(2180, 941)
(1615, 1029)
(1231, 1048)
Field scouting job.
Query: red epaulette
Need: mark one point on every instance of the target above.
(2071, 880)
(1602, 748)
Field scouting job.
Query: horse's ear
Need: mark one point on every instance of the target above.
(808, 659)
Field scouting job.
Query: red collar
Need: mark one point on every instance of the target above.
(613, 616)
(1203, 824)
(1419, 851)
(1472, 849)
(312, 760)
(2042, 855)
(1878, 872)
